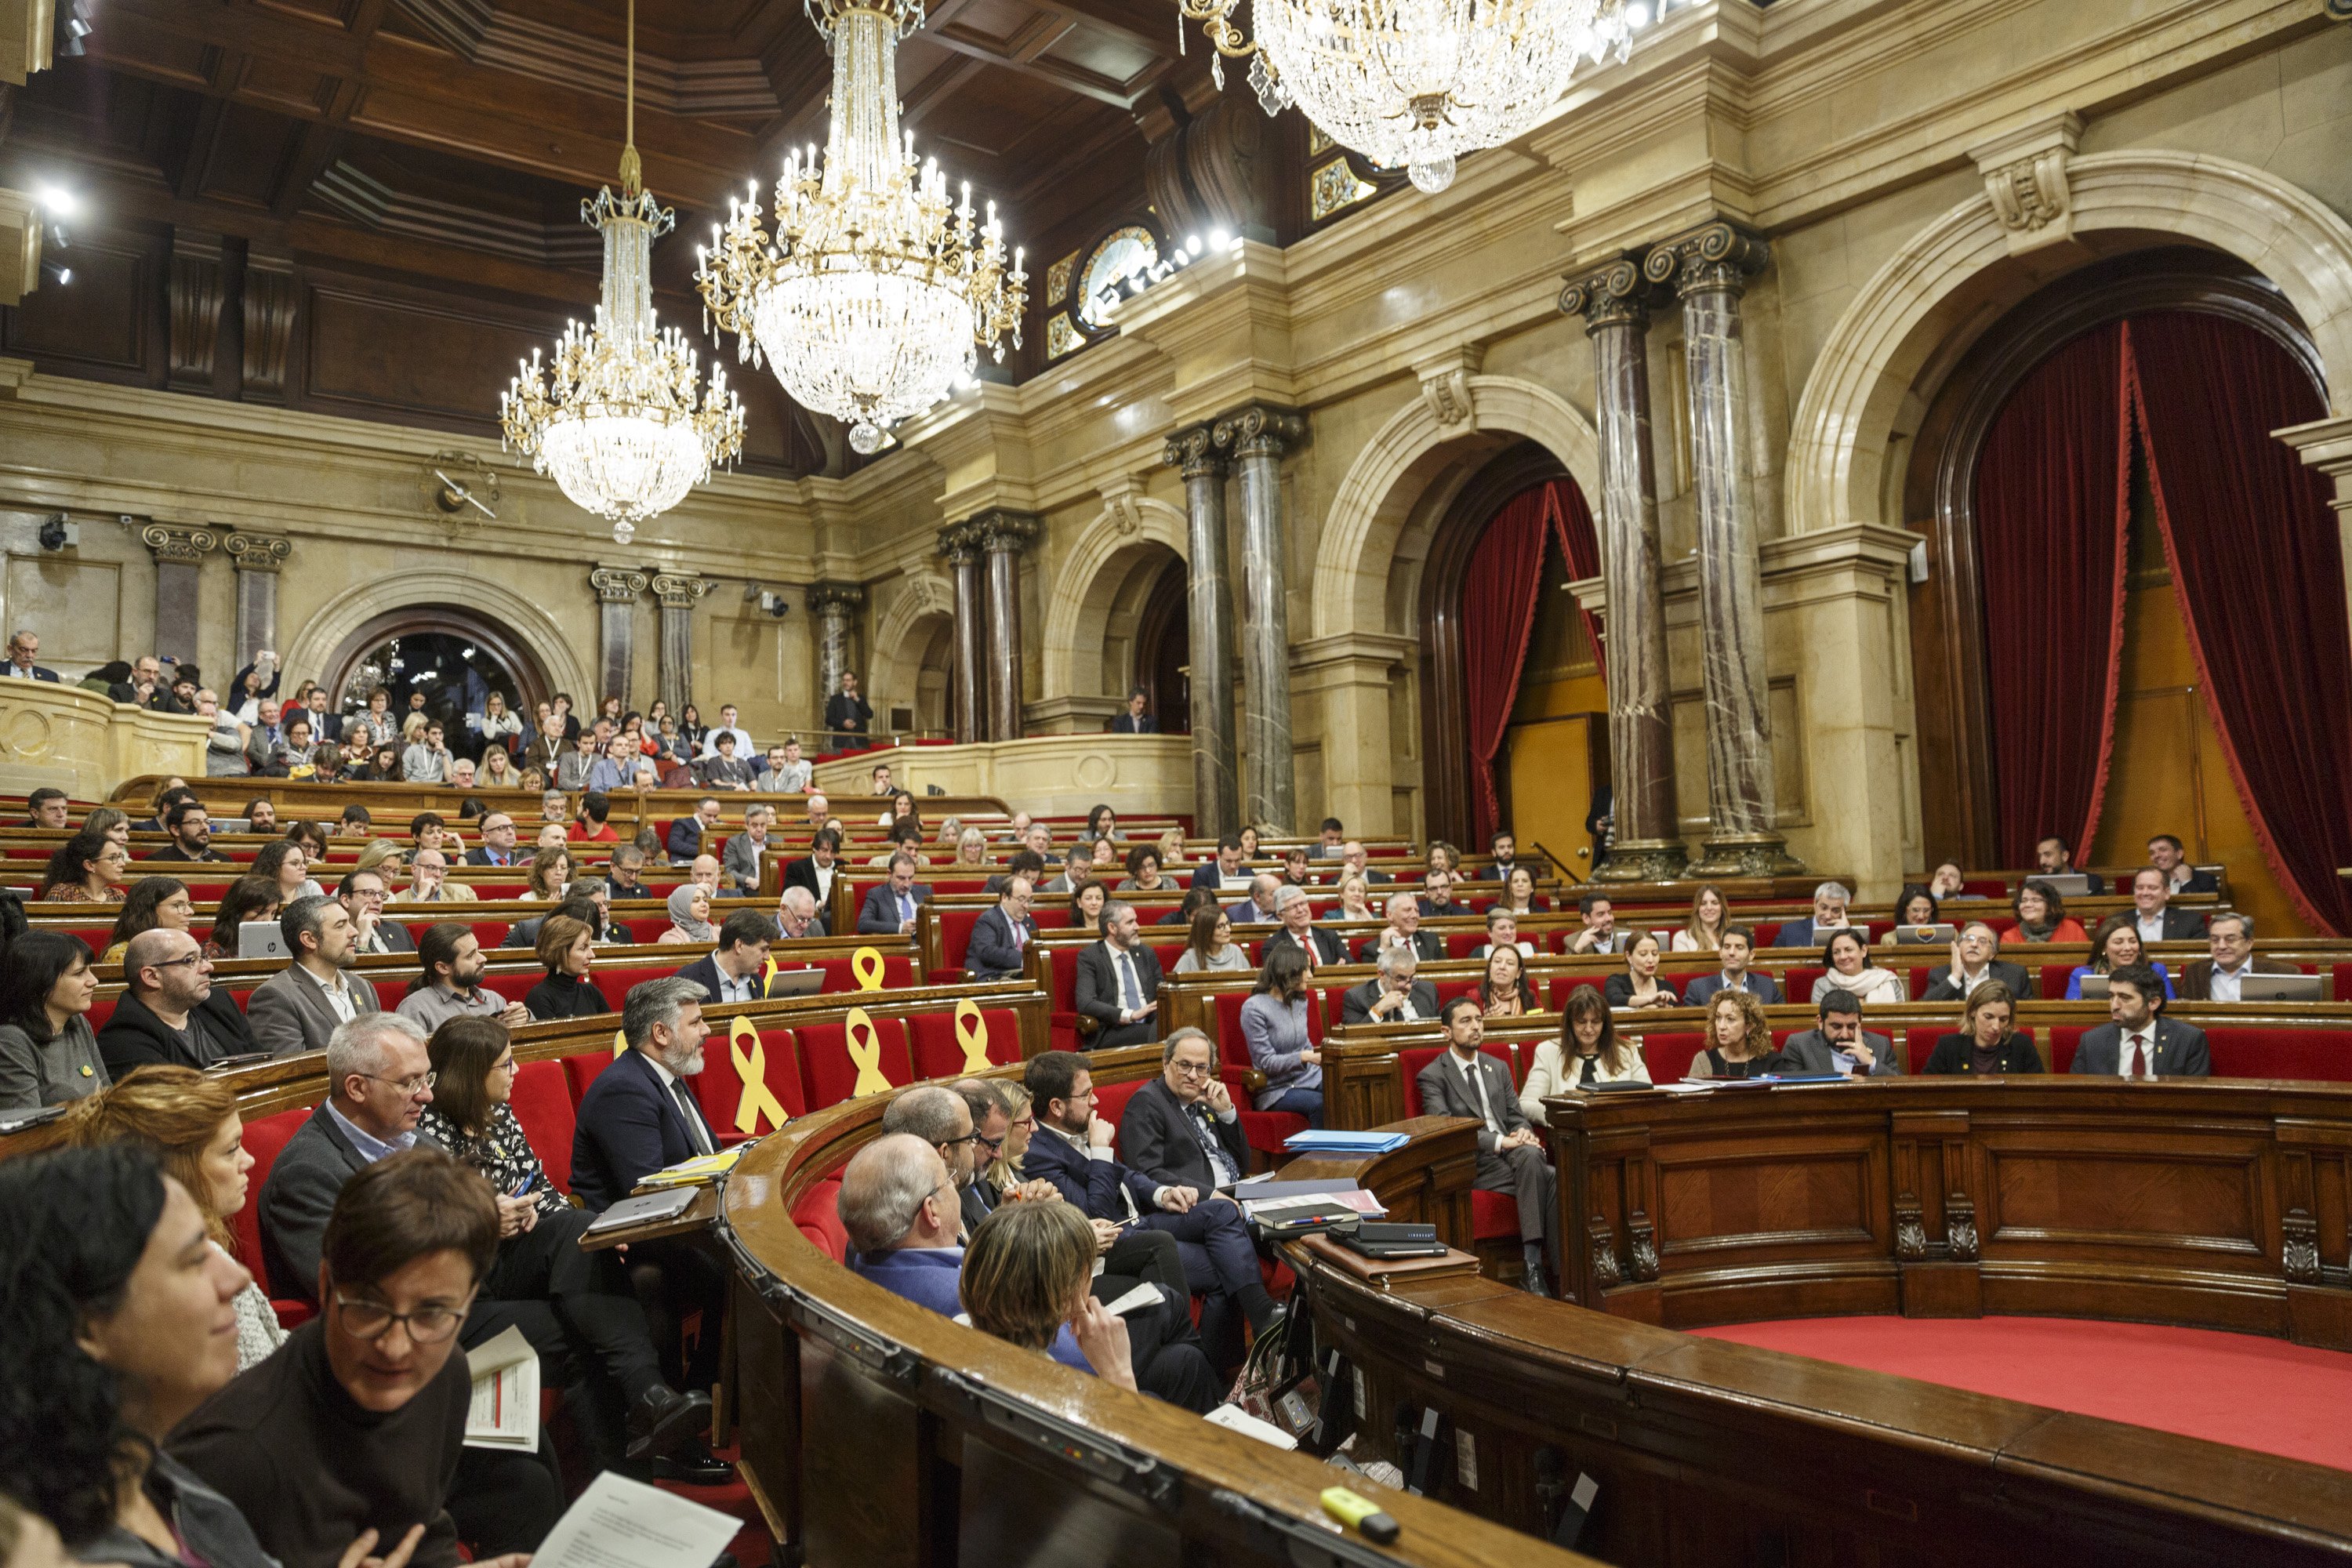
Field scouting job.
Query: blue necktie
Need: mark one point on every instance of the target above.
(1128, 983)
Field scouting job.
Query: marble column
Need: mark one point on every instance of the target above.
(1646, 846)
(179, 553)
(834, 605)
(258, 557)
(1257, 437)
(1003, 536)
(677, 592)
(617, 591)
(1709, 267)
(1216, 802)
(960, 546)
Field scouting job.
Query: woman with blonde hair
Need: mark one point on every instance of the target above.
(1028, 1272)
(1703, 932)
(1739, 1040)
(1355, 900)
(1004, 1171)
(972, 848)
(376, 854)
(190, 1124)
(498, 770)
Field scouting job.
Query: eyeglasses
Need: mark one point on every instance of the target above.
(430, 1324)
(189, 962)
(1190, 1069)
(993, 1145)
(406, 1084)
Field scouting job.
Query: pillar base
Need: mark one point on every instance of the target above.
(1745, 854)
(1643, 860)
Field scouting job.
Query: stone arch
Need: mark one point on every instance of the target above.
(1412, 458)
(1921, 309)
(1129, 534)
(895, 663)
(537, 634)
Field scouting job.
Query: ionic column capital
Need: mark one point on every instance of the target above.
(1001, 531)
(679, 590)
(1717, 257)
(840, 597)
(1261, 430)
(1617, 295)
(617, 585)
(178, 541)
(258, 551)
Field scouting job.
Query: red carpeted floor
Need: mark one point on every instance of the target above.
(2243, 1389)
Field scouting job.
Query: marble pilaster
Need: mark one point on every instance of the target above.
(1258, 436)
(1003, 536)
(617, 591)
(258, 557)
(179, 553)
(677, 592)
(961, 548)
(834, 605)
(1709, 267)
(1613, 302)
(1216, 805)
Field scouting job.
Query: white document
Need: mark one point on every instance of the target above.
(1142, 1296)
(505, 1410)
(1234, 1418)
(622, 1523)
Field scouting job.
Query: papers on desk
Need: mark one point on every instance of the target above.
(1234, 1418)
(1336, 1140)
(622, 1523)
(505, 1410)
(1302, 1214)
(647, 1208)
(698, 1171)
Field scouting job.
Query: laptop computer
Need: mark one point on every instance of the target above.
(2279, 988)
(234, 825)
(796, 982)
(2066, 885)
(1939, 935)
(2094, 988)
(260, 939)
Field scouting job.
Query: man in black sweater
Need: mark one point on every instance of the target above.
(358, 1422)
(171, 1011)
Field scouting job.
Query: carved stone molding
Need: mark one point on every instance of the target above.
(2025, 176)
(1260, 430)
(843, 596)
(179, 542)
(1005, 532)
(617, 585)
(678, 590)
(1607, 1273)
(959, 543)
(1617, 295)
(1123, 505)
(258, 551)
(196, 290)
(268, 321)
(1716, 256)
(1193, 451)
(1910, 1234)
(1445, 386)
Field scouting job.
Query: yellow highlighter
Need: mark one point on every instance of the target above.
(1348, 1509)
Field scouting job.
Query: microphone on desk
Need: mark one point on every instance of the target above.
(1566, 1507)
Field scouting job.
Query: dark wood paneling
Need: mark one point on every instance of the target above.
(104, 325)
(374, 350)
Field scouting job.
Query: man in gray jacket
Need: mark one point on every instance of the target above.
(1839, 1044)
(297, 1009)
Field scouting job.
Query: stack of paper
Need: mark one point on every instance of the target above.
(1333, 1141)
(1301, 1213)
(505, 1411)
(622, 1523)
(695, 1172)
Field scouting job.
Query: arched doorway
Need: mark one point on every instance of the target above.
(931, 641)
(453, 657)
(1163, 649)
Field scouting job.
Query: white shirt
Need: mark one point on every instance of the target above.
(339, 996)
(696, 1131)
(1130, 983)
(742, 741)
(2223, 987)
(2151, 927)
(1478, 1087)
(823, 880)
(1966, 983)
(2143, 1045)
(737, 990)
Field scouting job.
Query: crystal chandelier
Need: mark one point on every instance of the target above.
(874, 295)
(618, 418)
(1415, 82)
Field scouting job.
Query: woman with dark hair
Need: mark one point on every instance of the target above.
(1086, 901)
(1587, 1052)
(902, 809)
(312, 839)
(691, 730)
(1846, 958)
(2115, 945)
(1639, 985)
(1142, 871)
(551, 869)
(1519, 896)
(246, 899)
(151, 902)
(1274, 1024)
(190, 1124)
(88, 868)
(472, 1113)
(1988, 1042)
(1503, 990)
(48, 1053)
(567, 948)
(1102, 823)
(2041, 917)
(121, 1320)
(1914, 907)
(1211, 945)
(286, 868)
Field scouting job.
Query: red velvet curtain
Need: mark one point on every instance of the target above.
(2052, 499)
(1579, 546)
(2255, 558)
(1499, 616)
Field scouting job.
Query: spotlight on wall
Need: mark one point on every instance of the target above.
(57, 272)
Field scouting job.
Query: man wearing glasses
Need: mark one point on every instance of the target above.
(170, 1011)
(379, 1079)
(1182, 1128)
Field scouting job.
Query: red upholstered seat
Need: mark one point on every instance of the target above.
(390, 989)
(2053, 981)
(1493, 1216)
(955, 938)
(1919, 976)
(830, 1075)
(1557, 991)
(720, 1087)
(939, 1053)
(1767, 932)
(581, 1067)
(101, 1009)
(645, 930)
(1798, 983)
(2320, 1055)
(1166, 952)
(1111, 1103)
(818, 1213)
(265, 1139)
(514, 987)
(542, 1103)
(1462, 943)
(1918, 1044)
(1447, 990)
(490, 933)
(1669, 1053)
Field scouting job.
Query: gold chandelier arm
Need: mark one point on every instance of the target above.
(1217, 25)
(633, 178)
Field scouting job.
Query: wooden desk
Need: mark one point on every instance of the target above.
(696, 1217)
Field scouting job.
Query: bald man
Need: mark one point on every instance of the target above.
(170, 1011)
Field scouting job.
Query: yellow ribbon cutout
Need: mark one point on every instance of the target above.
(768, 979)
(973, 1035)
(867, 962)
(751, 1066)
(620, 1045)
(866, 1050)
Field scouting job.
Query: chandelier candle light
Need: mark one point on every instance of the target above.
(616, 419)
(1415, 82)
(873, 297)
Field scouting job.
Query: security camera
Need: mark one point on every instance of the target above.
(775, 604)
(58, 532)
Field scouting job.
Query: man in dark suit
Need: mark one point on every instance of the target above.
(1072, 1149)
(22, 649)
(889, 910)
(379, 1083)
(735, 971)
(1224, 872)
(1392, 996)
(48, 807)
(1465, 1081)
(815, 870)
(191, 827)
(497, 845)
(2055, 857)
(1002, 933)
(1830, 901)
(1355, 860)
(2141, 1042)
(1135, 720)
(640, 1115)
(849, 716)
(1735, 948)
(1838, 1042)
(1295, 911)
(1183, 1128)
(1403, 929)
(1973, 964)
(1505, 847)
(2215, 979)
(686, 833)
(1257, 907)
(1118, 982)
(169, 1010)
(2153, 912)
(2168, 855)
(362, 895)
